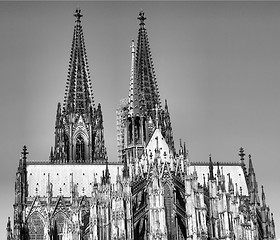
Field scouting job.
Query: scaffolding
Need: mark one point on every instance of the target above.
(121, 112)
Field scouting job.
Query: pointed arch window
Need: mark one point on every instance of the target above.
(129, 130)
(144, 129)
(137, 132)
(60, 226)
(80, 149)
(35, 227)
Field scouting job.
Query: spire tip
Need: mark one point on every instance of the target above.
(142, 17)
(78, 14)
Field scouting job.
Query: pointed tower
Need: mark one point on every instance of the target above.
(79, 133)
(145, 89)
(252, 184)
(21, 193)
(9, 230)
(143, 112)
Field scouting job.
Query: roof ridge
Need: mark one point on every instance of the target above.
(215, 163)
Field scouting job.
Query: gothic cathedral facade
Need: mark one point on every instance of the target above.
(151, 192)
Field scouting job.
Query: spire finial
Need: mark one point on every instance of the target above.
(78, 15)
(24, 152)
(107, 172)
(251, 168)
(263, 197)
(185, 151)
(218, 169)
(241, 154)
(204, 183)
(142, 17)
(9, 224)
(236, 192)
(211, 177)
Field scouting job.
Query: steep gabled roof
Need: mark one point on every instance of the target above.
(78, 94)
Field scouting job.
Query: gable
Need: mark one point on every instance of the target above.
(158, 139)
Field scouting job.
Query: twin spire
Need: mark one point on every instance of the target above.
(143, 92)
(79, 134)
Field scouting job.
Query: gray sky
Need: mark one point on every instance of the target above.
(217, 63)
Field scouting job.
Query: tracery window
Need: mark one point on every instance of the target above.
(80, 149)
(36, 227)
(168, 207)
(85, 217)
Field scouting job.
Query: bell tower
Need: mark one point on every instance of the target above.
(79, 132)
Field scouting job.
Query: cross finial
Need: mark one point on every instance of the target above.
(241, 154)
(211, 168)
(78, 14)
(142, 17)
(24, 152)
(132, 46)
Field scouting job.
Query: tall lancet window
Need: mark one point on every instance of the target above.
(144, 129)
(168, 208)
(36, 226)
(129, 130)
(80, 149)
(66, 147)
(137, 129)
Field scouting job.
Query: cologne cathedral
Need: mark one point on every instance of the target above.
(152, 191)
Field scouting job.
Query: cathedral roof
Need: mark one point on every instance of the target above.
(78, 93)
(143, 85)
(234, 170)
(61, 176)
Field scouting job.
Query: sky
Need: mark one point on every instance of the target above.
(217, 64)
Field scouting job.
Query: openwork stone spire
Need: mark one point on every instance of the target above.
(78, 93)
(145, 89)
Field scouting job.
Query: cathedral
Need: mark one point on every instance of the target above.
(152, 191)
